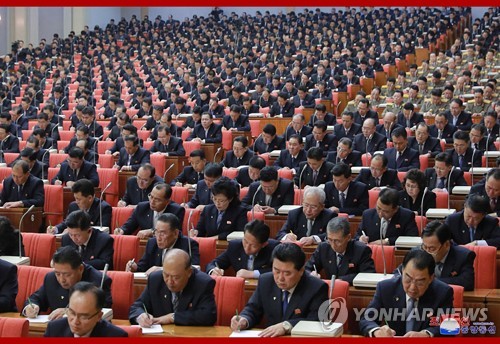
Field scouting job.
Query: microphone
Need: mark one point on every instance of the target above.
(449, 184)
(60, 107)
(472, 166)
(217, 152)
(486, 152)
(253, 201)
(94, 149)
(52, 130)
(332, 287)
(286, 130)
(300, 177)
(422, 208)
(382, 246)
(43, 156)
(20, 225)
(313, 118)
(168, 169)
(100, 203)
(106, 267)
(188, 234)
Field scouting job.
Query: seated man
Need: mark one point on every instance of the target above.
(344, 195)
(369, 140)
(364, 112)
(340, 255)
(297, 295)
(320, 138)
(322, 115)
(282, 107)
(462, 155)
(177, 295)
(347, 128)
(140, 186)
(95, 247)
(472, 226)
(202, 195)
(84, 315)
(85, 200)
(82, 133)
(207, 131)
(21, 189)
(249, 257)
(240, 155)
(378, 175)
(401, 157)
(408, 118)
(37, 168)
(315, 171)
(9, 142)
(128, 130)
(236, 121)
(167, 236)
(307, 224)
(270, 193)
(146, 214)
(192, 174)
(416, 294)
(88, 119)
(345, 154)
(442, 176)
(387, 222)
(132, 156)
(250, 174)
(76, 168)
(297, 126)
(490, 189)
(423, 143)
(386, 128)
(291, 157)
(166, 144)
(88, 154)
(69, 269)
(268, 140)
(8, 286)
(441, 129)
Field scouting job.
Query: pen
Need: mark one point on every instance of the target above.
(31, 304)
(314, 266)
(145, 310)
(363, 232)
(238, 320)
(217, 266)
(131, 263)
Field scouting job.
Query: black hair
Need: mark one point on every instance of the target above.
(290, 253)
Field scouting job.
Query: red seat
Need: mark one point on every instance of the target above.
(5, 172)
(158, 161)
(119, 216)
(29, 279)
(39, 247)
(298, 196)
(122, 292)
(372, 198)
(458, 296)
(53, 171)
(103, 146)
(53, 204)
(63, 144)
(190, 221)
(255, 127)
(143, 134)
(243, 192)
(401, 176)
(421, 223)
(231, 173)
(10, 157)
(147, 145)
(424, 162)
(66, 135)
(227, 140)
(126, 248)
(26, 134)
(389, 253)
(366, 159)
(229, 295)
(468, 178)
(485, 266)
(107, 175)
(255, 215)
(285, 173)
(132, 331)
(207, 250)
(190, 146)
(106, 161)
(265, 156)
(14, 327)
(179, 194)
(57, 159)
(441, 200)
(340, 290)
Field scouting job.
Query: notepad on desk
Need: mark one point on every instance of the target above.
(16, 260)
(235, 235)
(306, 328)
(156, 328)
(245, 334)
(40, 319)
(285, 209)
(408, 241)
(140, 275)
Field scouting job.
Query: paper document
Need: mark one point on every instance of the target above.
(150, 330)
(40, 319)
(246, 334)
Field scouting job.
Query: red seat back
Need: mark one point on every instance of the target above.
(180, 194)
(485, 266)
(389, 253)
(29, 279)
(229, 296)
(39, 247)
(126, 248)
(458, 296)
(119, 216)
(107, 175)
(53, 204)
(14, 327)
(340, 289)
(207, 251)
(190, 221)
(122, 292)
(190, 146)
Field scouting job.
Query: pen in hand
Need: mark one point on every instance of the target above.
(238, 321)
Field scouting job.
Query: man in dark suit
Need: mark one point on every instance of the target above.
(347, 128)
(303, 99)
(387, 221)
(441, 129)
(214, 108)
(457, 116)
(423, 143)
(88, 120)
(21, 189)
(378, 175)
(69, 269)
(132, 156)
(270, 193)
(320, 138)
(473, 225)
(9, 142)
(315, 171)
(192, 174)
(297, 126)
(344, 195)
(250, 174)
(291, 157)
(307, 224)
(408, 118)
(188, 299)
(95, 247)
(203, 193)
(146, 214)
(478, 138)
(388, 126)
(345, 154)
(340, 255)
(8, 286)
(140, 186)
(462, 155)
(369, 140)
(76, 168)
(248, 107)
(364, 112)
(282, 106)
(416, 295)
(437, 176)
(240, 155)
(236, 121)
(285, 296)
(249, 257)
(490, 189)
(322, 115)
(207, 131)
(36, 167)
(401, 157)
(167, 235)
(84, 315)
(166, 144)
(268, 140)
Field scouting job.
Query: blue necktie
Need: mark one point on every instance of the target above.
(219, 218)
(472, 233)
(250, 262)
(285, 301)
(339, 259)
(461, 161)
(342, 199)
(410, 321)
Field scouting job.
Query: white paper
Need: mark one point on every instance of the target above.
(245, 334)
(156, 328)
(140, 275)
(40, 319)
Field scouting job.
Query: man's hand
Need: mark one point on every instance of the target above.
(416, 334)
(244, 273)
(118, 231)
(164, 320)
(200, 207)
(18, 204)
(70, 183)
(31, 311)
(121, 204)
(315, 274)
(193, 233)
(384, 331)
(335, 209)
(273, 331)
(145, 320)
(145, 233)
(289, 237)
(152, 269)
(126, 168)
(131, 266)
(238, 323)
(364, 238)
(57, 314)
(306, 241)
(217, 272)
(57, 182)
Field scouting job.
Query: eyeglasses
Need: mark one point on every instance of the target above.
(219, 200)
(310, 206)
(418, 283)
(82, 317)
(430, 249)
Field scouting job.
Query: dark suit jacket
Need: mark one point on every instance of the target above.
(140, 157)
(285, 159)
(32, 192)
(259, 147)
(217, 113)
(329, 143)
(306, 130)
(188, 176)
(60, 328)
(448, 132)
(153, 254)
(234, 256)
(381, 130)
(353, 159)
(389, 178)
(330, 119)
(99, 250)
(464, 120)
(243, 178)
(431, 145)
(304, 303)
(378, 142)
(134, 195)
(214, 133)
(230, 160)
(233, 219)
(479, 188)
(196, 305)
(93, 143)
(402, 224)
(52, 296)
(10, 144)
(201, 195)
(287, 111)
(324, 174)
(408, 160)
(356, 201)
(284, 195)
(370, 114)
(241, 124)
(173, 148)
(456, 179)
(357, 258)
(296, 223)
(87, 171)
(307, 102)
(8, 286)
(407, 202)
(390, 295)
(94, 212)
(142, 217)
(414, 119)
(478, 156)
(339, 131)
(486, 230)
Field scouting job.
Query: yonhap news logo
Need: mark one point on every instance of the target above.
(332, 311)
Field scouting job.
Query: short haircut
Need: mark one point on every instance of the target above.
(341, 169)
(290, 253)
(25, 167)
(28, 153)
(130, 128)
(226, 187)
(478, 204)
(346, 141)
(165, 188)
(339, 224)
(242, 139)
(170, 219)
(382, 157)
(212, 170)
(441, 230)
(259, 229)
(87, 287)
(444, 157)
(131, 138)
(197, 153)
(315, 153)
(269, 129)
(494, 172)
(268, 174)
(148, 167)
(461, 135)
(399, 132)
(76, 152)
(257, 162)
(78, 219)
(84, 186)
(315, 190)
(321, 125)
(297, 137)
(68, 255)
(389, 196)
(421, 260)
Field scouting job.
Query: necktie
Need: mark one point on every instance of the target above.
(309, 227)
(20, 191)
(175, 301)
(441, 183)
(410, 320)
(339, 259)
(199, 176)
(268, 200)
(82, 249)
(163, 254)
(342, 199)
(285, 301)
(438, 269)
(155, 218)
(377, 182)
(383, 227)
(219, 218)
(293, 162)
(461, 161)
(129, 160)
(440, 134)
(315, 176)
(238, 161)
(472, 233)
(420, 148)
(398, 158)
(250, 262)
(368, 148)
(206, 133)
(493, 204)
(75, 174)
(317, 143)
(408, 123)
